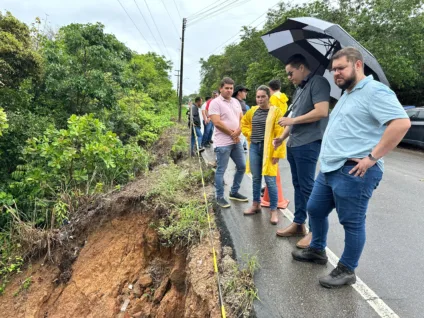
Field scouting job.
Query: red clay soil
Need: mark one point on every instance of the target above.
(121, 261)
(109, 255)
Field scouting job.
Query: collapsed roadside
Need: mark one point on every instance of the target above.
(141, 251)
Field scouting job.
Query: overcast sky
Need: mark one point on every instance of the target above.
(202, 38)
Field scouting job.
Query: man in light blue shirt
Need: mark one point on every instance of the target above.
(367, 122)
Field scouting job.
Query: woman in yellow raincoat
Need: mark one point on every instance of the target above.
(260, 126)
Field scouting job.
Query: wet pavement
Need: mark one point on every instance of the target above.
(392, 264)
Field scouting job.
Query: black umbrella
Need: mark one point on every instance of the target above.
(317, 40)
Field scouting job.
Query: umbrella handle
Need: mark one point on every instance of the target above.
(289, 109)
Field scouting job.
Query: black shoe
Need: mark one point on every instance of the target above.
(211, 142)
(201, 149)
(310, 254)
(238, 197)
(339, 276)
(222, 203)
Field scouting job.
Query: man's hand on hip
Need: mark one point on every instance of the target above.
(361, 168)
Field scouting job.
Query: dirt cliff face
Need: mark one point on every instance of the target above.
(109, 262)
(122, 262)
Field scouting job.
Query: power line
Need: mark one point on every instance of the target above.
(157, 29)
(205, 8)
(230, 6)
(247, 25)
(217, 7)
(179, 15)
(232, 38)
(135, 26)
(170, 18)
(145, 21)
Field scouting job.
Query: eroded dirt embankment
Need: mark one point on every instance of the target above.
(109, 262)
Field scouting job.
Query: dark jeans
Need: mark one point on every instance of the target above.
(303, 164)
(223, 155)
(350, 196)
(207, 133)
(256, 155)
(193, 137)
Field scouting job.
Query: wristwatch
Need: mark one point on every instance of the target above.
(372, 157)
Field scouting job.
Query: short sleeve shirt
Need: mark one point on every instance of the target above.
(230, 113)
(316, 90)
(208, 103)
(358, 122)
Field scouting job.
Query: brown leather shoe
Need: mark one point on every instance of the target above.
(255, 208)
(305, 241)
(274, 217)
(293, 229)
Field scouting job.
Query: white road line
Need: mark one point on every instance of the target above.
(380, 307)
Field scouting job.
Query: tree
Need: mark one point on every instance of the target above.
(149, 73)
(17, 59)
(3, 121)
(391, 30)
(83, 70)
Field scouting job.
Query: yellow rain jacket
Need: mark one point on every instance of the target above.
(272, 130)
(280, 100)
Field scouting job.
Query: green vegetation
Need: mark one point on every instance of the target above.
(79, 114)
(179, 189)
(390, 29)
(185, 226)
(239, 290)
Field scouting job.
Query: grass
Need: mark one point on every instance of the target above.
(185, 226)
(179, 148)
(172, 179)
(240, 291)
(180, 189)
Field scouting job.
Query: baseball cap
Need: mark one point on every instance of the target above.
(239, 88)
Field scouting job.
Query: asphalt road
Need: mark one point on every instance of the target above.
(392, 264)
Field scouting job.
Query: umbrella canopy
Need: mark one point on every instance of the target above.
(317, 40)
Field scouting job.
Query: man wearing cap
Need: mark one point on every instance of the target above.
(240, 93)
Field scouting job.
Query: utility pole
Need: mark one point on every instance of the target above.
(181, 70)
(178, 82)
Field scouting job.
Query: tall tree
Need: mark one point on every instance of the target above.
(390, 29)
(17, 59)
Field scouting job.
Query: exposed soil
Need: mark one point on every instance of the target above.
(108, 262)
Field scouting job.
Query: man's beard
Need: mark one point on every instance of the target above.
(348, 82)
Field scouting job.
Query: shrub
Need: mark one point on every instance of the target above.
(77, 161)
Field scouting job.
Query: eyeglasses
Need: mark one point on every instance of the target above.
(338, 69)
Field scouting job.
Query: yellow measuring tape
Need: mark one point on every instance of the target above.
(215, 264)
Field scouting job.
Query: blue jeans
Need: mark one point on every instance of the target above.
(223, 155)
(256, 154)
(350, 196)
(207, 133)
(303, 164)
(193, 137)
